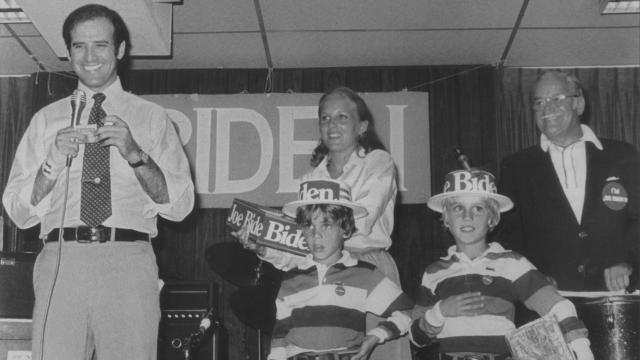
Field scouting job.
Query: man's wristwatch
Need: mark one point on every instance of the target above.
(144, 158)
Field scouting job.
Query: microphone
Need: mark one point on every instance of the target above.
(193, 340)
(78, 102)
(207, 320)
(463, 160)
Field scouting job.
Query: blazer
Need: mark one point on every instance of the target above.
(543, 227)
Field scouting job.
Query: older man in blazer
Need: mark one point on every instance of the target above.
(576, 196)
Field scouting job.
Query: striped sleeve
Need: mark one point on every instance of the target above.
(422, 333)
(279, 341)
(277, 353)
(528, 286)
(283, 322)
(538, 294)
(386, 299)
(571, 326)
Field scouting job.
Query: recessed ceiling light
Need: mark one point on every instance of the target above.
(11, 13)
(620, 7)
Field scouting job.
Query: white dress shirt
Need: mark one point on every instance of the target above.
(132, 208)
(570, 164)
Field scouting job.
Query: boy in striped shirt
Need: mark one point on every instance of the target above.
(467, 300)
(321, 306)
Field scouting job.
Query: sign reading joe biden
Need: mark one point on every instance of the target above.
(256, 146)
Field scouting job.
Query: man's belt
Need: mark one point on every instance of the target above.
(335, 355)
(86, 234)
(469, 356)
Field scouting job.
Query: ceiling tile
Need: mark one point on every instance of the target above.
(13, 59)
(395, 48)
(382, 14)
(195, 16)
(210, 51)
(575, 47)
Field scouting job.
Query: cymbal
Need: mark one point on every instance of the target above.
(255, 306)
(239, 266)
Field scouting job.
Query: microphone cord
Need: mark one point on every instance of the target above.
(57, 263)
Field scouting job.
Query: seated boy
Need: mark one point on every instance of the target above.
(321, 305)
(467, 297)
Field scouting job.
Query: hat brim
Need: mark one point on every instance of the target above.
(291, 208)
(435, 202)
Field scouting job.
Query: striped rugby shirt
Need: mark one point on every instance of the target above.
(504, 277)
(323, 308)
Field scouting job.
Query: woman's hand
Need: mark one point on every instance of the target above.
(467, 304)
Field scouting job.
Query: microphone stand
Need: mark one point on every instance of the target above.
(186, 348)
(187, 352)
(187, 344)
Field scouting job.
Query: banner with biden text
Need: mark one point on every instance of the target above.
(256, 146)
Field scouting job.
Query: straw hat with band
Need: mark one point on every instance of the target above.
(331, 192)
(469, 182)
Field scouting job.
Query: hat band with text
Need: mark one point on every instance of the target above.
(477, 181)
(319, 190)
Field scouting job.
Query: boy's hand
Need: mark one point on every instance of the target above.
(243, 237)
(581, 349)
(466, 304)
(366, 348)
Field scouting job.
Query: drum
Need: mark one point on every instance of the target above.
(613, 323)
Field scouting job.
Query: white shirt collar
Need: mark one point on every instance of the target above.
(113, 90)
(346, 259)
(587, 136)
(493, 247)
(357, 157)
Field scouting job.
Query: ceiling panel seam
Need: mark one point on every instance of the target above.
(514, 31)
(263, 33)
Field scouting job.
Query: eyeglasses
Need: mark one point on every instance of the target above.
(539, 103)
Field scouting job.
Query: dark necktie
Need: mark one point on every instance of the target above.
(95, 201)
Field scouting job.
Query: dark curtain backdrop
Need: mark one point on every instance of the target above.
(612, 111)
(16, 108)
(481, 110)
